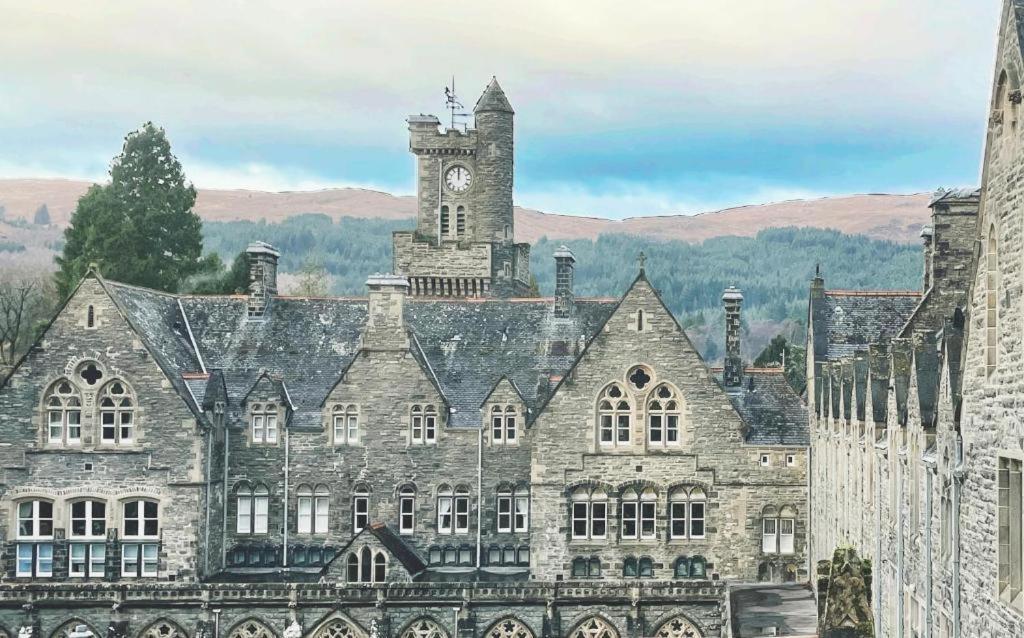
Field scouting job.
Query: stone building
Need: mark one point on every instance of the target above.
(442, 457)
(916, 445)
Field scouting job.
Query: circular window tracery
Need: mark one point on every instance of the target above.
(639, 377)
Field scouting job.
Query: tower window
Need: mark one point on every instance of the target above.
(460, 221)
(90, 317)
(445, 222)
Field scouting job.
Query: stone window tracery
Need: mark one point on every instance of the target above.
(594, 627)
(639, 377)
(251, 629)
(366, 566)
(163, 629)
(663, 415)
(589, 514)
(614, 416)
(117, 414)
(424, 628)
(345, 423)
(63, 414)
(677, 627)
(509, 628)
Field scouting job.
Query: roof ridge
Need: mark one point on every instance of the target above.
(873, 293)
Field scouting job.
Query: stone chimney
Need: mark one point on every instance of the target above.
(262, 277)
(564, 266)
(732, 376)
(385, 321)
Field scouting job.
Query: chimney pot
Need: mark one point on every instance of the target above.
(262, 277)
(564, 267)
(732, 374)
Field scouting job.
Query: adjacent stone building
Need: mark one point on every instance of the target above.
(916, 442)
(443, 457)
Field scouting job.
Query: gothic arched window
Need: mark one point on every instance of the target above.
(424, 628)
(508, 628)
(677, 627)
(663, 417)
(163, 628)
(614, 416)
(117, 414)
(63, 413)
(251, 629)
(594, 627)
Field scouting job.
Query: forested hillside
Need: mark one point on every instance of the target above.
(773, 268)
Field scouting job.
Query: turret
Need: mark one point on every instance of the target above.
(493, 120)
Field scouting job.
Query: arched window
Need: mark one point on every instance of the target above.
(594, 627)
(504, 424)
(769, 530)
(991, 301)
(366, 566)
(513, 509)
(423, 628)
(663, 417)
(508, 628)
(87, 550)
(163, 628)
(444, 510)
(646, 567)
(264, 423)
(75, 628)
(253, 503)
(640, 320)
(460, 222)
(677, 627)
(787, 527)
(346, 424)
(407, 510)
(461, 509)
(638, 513)
(251, 629)
(698, 567)
(681, 568)
(313, 507)
(687, 510)
(35, 539)
(423, 424)
(63, 413)
(446, 222)
(589, 513)
(380, 566)
(90, 317)
(117, 414)
(140, 529)
(614, 414)
(629, 567)
(360, 508)
(336, 628)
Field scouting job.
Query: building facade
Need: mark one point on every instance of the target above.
(916, 439)
(439, 458)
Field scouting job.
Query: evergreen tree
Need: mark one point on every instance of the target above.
(217, 281)
(778, 353)
(139, 229)
(42, 216)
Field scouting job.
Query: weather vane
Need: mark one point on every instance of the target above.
(452, 103)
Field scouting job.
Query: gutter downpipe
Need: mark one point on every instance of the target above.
(958, 477)
(284, 552)
(480, 496)
(928, 505)
(209, 488)
(224, 521)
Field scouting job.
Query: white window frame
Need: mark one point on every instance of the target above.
(252, 514)
(504, 511)
(144, 556)
(63, 414)
(360, 510)
(614, 417)
(664, 416)
(39, 557)
(423, 424)
(445, 511)
(766, 459)
(264, 424)
(91, 547)
(594, 508)
(122, 414)
(791, 460)
(504, 425)
(770, 538)
(787, 539)
(407, 511)
(460, 507)
(345, 425)
(521, 513)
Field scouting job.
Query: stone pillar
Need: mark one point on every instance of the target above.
(385, 321)
(262, 277)
(926, 239)
(564, 267)
(732, 376)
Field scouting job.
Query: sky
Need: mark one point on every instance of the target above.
(630, 108)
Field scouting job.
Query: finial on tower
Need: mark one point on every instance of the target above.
(641, 259)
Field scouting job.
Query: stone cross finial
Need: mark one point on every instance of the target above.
(641, 259)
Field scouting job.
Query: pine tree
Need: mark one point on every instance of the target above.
(139, 229)
(42, 216)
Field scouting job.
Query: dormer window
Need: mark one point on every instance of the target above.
(264, 423)
(504, 425)
(423, 424)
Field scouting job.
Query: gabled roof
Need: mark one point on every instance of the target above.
(773, 413)
(464, 345)
(850, 320)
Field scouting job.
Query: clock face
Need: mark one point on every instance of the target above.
(458, 179)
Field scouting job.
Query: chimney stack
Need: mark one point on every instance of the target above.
(926, 238)
(385, 321)
(262, 277)
(564, 261)
(732, 376)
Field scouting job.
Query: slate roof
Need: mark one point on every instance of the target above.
(493, 99)
(854, 319)
(773, 413)
(306, 343)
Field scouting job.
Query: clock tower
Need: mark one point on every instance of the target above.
(463, 245)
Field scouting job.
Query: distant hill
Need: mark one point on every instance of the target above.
(891, 217)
